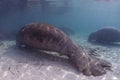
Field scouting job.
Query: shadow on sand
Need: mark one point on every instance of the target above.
(38, 58)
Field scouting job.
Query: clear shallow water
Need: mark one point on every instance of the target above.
(82, 16)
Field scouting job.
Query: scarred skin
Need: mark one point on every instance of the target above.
(47, 37)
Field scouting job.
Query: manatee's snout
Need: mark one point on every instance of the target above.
(91, 37)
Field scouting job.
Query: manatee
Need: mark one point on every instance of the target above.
(46, 37)
(105, 35)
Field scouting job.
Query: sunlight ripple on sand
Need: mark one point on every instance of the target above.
(48, 68)
(22, 75)
(5, 74)
(104, 78)
(26, 65)
(114, 78)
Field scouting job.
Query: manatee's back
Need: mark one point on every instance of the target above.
(44, 37)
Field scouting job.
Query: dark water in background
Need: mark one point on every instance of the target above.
(83, 16)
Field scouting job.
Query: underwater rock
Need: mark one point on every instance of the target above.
(105, 35)
(49, 38)
(67, 30)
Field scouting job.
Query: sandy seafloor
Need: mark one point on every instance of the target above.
(16, 64)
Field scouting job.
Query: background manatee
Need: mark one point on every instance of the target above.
(105, 35)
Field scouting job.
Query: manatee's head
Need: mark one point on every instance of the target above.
(92, 37)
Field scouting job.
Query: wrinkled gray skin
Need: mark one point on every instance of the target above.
(47, 37)
(105, 35)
